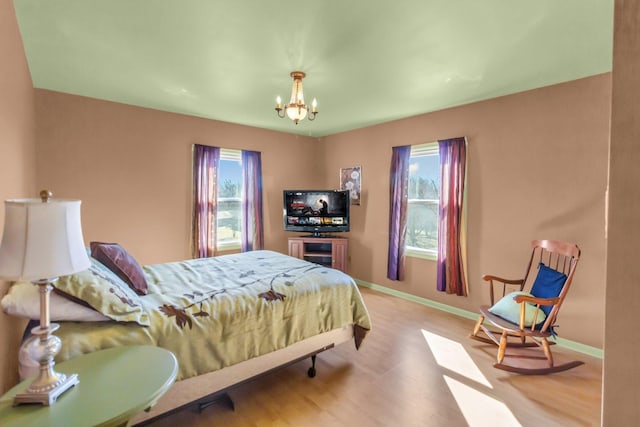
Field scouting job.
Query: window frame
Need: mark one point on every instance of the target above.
(426, 149)
(229, 154)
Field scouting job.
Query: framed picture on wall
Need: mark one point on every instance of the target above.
(351, 179)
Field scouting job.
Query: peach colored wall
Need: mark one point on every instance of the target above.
(621, 371)
(510, 138)
(17, 160)
(534, 172)
(131, 167)
(537, 169)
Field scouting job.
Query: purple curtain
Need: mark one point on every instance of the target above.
(252, 234)
(451, 226)
(205, 195)
(398, 199)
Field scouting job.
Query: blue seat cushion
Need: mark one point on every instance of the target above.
(548, 284)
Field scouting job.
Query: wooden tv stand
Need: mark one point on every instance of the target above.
(327, 251)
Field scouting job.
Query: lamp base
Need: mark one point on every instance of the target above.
(49, 384)
(47, 398)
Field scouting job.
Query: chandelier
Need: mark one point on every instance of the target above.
(296, 109)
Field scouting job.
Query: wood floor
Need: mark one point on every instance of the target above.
(415, 368)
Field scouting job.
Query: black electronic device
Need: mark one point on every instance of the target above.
(316, 211)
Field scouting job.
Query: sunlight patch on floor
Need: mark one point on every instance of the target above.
(451, 355)
(478, 408)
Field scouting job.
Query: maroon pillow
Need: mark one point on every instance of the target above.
(118, 260)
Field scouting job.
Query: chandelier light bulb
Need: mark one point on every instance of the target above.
(296, 112)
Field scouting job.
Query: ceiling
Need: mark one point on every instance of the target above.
(367, 61)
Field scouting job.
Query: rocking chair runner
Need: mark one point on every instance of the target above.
(530, 318)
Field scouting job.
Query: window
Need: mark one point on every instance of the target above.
(423, 200)
(227, 201)
(229, 215)
(425, 221)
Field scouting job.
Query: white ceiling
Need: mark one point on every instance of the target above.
(367, 61)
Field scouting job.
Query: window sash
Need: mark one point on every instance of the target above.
(224, 244)
(423, 150)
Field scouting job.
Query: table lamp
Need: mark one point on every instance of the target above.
(42, 240)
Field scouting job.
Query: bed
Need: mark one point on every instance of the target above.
(227, 319)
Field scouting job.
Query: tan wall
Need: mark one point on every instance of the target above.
(17, 160)
(131, 167)
(537, 169)
(534, 172)
(620, 403)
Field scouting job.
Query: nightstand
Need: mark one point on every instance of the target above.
(115, 385)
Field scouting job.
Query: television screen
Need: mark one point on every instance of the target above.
(316, 211)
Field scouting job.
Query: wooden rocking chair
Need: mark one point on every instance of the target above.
(530, 317)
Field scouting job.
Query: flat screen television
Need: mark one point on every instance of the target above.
(316, 211)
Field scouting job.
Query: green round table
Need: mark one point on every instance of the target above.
(115, 385)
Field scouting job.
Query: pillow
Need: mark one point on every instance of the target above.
(105, 292)
(509, 310)
(118, 260)
(23, 299)
(548, 284)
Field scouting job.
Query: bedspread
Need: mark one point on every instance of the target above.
(215, 312)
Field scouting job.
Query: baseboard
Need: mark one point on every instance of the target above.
(572, 345)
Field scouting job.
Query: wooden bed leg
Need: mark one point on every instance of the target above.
(312, 370)
(224, 398)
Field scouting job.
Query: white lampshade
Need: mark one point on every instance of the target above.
(42, 240)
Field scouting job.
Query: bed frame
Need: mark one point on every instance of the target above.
(203, 390)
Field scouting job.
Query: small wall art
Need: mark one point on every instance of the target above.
(350, 179)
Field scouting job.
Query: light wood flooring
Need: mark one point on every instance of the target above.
(415, 368)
